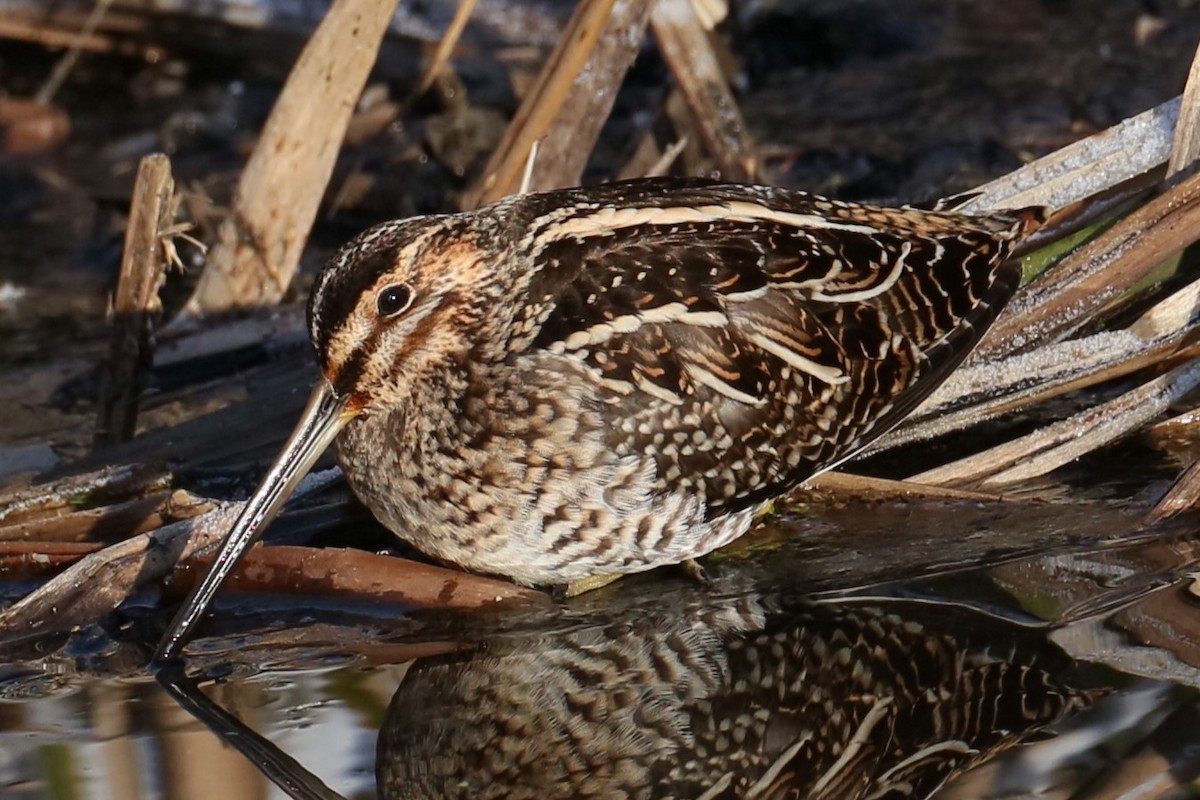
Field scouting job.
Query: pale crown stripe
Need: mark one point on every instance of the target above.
(406, 255)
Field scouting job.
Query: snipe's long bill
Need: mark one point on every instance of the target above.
(605, 380)
(324, 416)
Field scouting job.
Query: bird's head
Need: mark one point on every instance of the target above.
(398, 304)
(394, 306)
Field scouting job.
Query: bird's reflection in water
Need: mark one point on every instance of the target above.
(752, 699)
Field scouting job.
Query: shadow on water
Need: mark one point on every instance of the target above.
(705, 697)
(1063, 670)
(768, 697)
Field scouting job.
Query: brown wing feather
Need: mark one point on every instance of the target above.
(772, 333)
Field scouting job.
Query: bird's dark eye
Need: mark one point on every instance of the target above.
(394, 299)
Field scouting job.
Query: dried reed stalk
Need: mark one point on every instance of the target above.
(568, 104)
(136, 307)
(689, 53)
(259, 244)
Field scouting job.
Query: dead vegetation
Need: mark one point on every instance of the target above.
(1103, 319)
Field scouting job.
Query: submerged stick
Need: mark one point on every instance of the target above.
(96, 584)
(92, 588)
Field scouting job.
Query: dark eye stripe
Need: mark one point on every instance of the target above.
(340, 288)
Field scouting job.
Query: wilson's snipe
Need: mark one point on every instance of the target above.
(605, 380)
